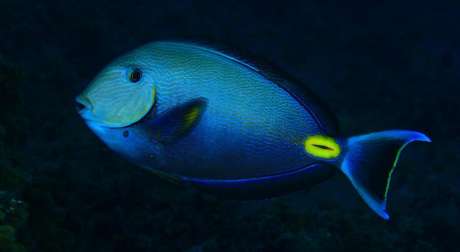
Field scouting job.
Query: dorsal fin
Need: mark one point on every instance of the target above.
(226, 55)
(312, 103)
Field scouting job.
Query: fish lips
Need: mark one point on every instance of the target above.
(84, 107)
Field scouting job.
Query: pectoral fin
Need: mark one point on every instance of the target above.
(178, 121)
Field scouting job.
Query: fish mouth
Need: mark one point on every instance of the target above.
(84, 107)
(82, 103)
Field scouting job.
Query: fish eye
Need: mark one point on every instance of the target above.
(135, 75)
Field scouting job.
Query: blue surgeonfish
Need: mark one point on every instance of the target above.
(201, 117)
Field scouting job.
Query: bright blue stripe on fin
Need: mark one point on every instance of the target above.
(370, 161)
(224, 182)
(265, 186)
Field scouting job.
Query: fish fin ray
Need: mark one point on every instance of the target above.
(176, 180)
(370, 161)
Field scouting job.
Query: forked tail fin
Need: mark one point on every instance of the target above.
(370, 160)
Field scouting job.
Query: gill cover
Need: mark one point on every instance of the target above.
(117, 101)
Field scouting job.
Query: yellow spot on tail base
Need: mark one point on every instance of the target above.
(322, 147)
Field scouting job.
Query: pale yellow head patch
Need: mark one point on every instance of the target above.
(116, 101)
(321, 146)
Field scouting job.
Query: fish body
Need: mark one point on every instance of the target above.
(209, 119)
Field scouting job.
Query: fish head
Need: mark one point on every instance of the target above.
(122, 107)
(121, 94)
(119, 102)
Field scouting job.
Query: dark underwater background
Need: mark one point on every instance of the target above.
(377, 64)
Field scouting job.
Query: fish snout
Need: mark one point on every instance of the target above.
(83, 104)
